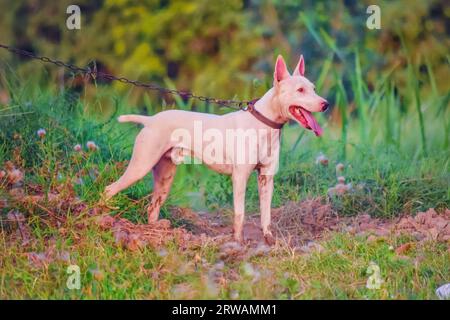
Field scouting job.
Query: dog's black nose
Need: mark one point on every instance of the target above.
(325, 106)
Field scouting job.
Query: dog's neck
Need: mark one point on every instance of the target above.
(269, 106)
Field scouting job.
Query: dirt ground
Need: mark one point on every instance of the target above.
(298, 225)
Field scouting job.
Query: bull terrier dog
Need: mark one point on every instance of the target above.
(234, 144)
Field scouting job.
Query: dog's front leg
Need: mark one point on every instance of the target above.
(265, 190)
(239, 186)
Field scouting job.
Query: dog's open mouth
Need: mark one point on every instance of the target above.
(306, 119)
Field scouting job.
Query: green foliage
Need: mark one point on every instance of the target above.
(338, 271)
(217, 48)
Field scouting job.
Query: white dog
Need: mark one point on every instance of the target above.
(292, 97)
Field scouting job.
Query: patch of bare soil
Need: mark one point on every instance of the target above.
(136, 236)
(300, 223)
(312, 219)
(217, 224)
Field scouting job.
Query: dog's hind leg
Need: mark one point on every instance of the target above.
(146, 153)
(163, 174)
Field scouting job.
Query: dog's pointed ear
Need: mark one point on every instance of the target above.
(281, 71)
(300, 68)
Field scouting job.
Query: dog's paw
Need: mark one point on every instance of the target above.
(105, 197)
(109, 192)
(238, 237)
(269, 239)
(103, 204)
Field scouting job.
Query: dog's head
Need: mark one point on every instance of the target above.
(296, 95)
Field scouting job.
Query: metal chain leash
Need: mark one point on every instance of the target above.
(92, 72)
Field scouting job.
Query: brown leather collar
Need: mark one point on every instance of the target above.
(261, 117)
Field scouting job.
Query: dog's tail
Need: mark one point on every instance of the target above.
(134, 118)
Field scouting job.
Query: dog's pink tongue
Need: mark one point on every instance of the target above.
(312, 122)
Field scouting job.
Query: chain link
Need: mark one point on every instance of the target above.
(94, 74)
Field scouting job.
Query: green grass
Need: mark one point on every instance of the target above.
(336, 272)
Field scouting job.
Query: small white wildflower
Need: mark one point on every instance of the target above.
(339, 168)
(340, 188)
(163, 253)
(41, 133)
(92, 146)
(77, 147)
(331, 192)
(321, 159)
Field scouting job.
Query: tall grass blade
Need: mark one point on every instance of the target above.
(324, 73)
(357, 85)
(342, 103)
(303, 17)
(432, 78)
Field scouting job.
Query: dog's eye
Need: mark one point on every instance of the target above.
(300, 90)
